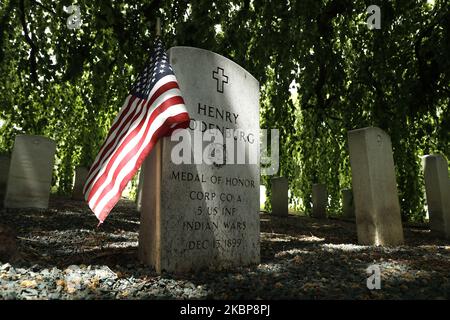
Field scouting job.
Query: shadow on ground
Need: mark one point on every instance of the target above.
(301, 258)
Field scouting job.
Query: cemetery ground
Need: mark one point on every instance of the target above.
(61, 254)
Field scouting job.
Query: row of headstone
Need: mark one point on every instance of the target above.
(374, 200)
(280, 199)
(31, 174)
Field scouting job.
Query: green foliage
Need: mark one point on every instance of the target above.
(69, 84)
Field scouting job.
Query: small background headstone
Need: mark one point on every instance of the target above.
(320, 200)
(81, 174)
(280, 199)
(347, 204)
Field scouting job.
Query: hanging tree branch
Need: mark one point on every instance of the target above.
(34, 49)
(3, 21)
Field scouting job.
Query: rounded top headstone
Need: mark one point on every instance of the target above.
(36, 139)
(215, 57)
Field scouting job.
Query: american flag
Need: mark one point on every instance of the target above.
(154, 108)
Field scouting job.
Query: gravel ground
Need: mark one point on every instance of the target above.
(62, 255)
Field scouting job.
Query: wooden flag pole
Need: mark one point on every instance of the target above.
(158, 26)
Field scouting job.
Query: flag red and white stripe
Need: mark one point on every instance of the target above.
(154, 108)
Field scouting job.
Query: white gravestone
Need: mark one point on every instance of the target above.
(377, 206)
(320, 200)
(4, 169)
(438, 193)
(81, 174)
(279, 196)
(201, 216)
(30, 173)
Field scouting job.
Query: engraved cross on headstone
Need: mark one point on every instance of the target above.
(221, 78)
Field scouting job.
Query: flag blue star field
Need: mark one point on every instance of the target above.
(153, 109)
